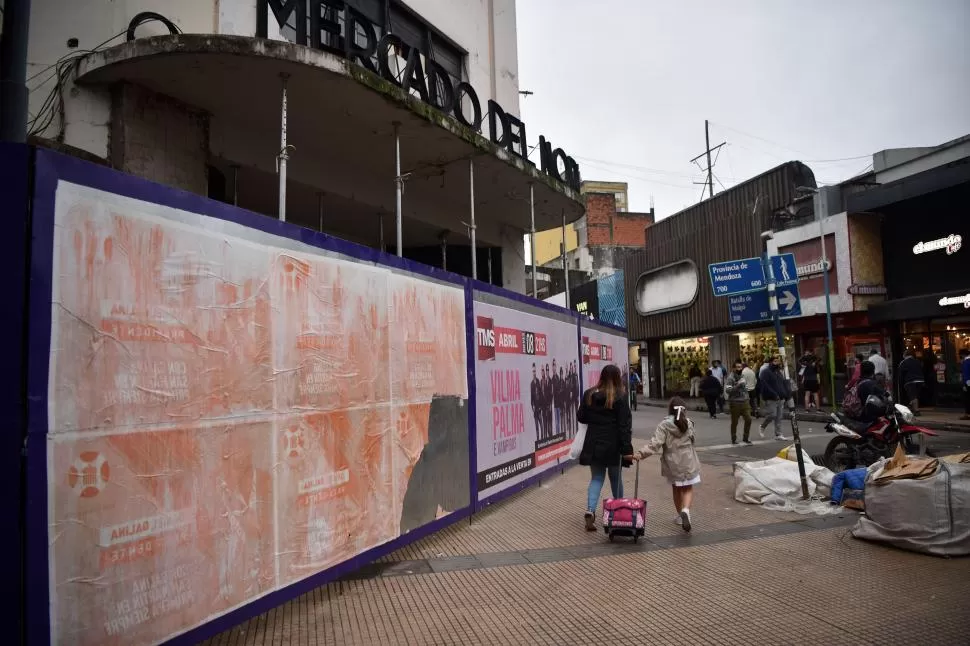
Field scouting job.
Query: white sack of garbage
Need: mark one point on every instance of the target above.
(775, 484)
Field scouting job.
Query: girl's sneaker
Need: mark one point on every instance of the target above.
(679, 520)
(685, 519)
(590, 522)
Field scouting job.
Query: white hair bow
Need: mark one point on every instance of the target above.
(680, 411)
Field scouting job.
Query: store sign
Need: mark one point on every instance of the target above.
(813, 268)
(867, 290)
(956, 300)
(951, 244)
(422, 73)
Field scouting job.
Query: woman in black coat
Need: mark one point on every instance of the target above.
(609, 437)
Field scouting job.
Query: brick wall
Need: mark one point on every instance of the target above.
(156, 137)
(604, 226)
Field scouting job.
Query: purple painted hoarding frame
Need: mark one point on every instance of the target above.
(48, 169)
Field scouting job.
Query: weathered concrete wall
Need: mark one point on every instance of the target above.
(155, 137)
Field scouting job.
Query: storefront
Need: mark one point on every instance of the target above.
(671, 309)
(927, 275)
(853, 265)
(680, 355)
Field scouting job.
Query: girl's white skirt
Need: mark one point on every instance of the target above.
(686, 483)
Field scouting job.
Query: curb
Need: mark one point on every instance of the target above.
(823, 417)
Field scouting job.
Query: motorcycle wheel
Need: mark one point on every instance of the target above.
(840, 455)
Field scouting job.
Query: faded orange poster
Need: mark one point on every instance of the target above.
(153, 532)
(228, 418)
(427, 331)
(335, 487)
(153, 322)
(330, 323)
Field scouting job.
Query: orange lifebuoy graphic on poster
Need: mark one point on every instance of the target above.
(88, 474)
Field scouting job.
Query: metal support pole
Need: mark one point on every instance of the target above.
(235, 184)
(565, 265)
(380, 220)
(828, 312)
(320, 209)
(490, 266)
(471, 187)
(398, 187)
(773, 306)
(13, 71)
(532, 238)
(444, 250)
(284, 153)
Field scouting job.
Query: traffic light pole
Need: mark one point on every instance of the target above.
(776, 318)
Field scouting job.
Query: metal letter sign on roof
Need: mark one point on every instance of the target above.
(753, 307)
(738, 276)
(786, 273)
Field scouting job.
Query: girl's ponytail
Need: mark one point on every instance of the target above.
(678, 410)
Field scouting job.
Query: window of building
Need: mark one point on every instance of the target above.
(389, 16)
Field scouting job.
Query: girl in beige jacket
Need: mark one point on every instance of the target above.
(674, 441)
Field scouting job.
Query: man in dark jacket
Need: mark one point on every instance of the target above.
(775, 391)
(711, 390)
(911, 378)
(869, 386)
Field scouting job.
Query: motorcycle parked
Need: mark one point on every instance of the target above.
(860, 444)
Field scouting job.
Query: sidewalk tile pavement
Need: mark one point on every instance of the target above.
(525, 572)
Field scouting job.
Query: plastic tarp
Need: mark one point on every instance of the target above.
(776, 485)
(930, 515)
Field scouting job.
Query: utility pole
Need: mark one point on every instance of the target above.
(709, 182)
(710, 168)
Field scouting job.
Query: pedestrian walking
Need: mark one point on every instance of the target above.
(775, 391)
(696, 376)
(721, 373)
(674, 442)
(911, 378)
(809, 375)
(635, 381)
(609, 438)
(711, 390)
(740, 404)
(751, 381)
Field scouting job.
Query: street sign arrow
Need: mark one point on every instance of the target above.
(788, 300)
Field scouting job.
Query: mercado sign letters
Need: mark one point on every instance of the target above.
(359, 44)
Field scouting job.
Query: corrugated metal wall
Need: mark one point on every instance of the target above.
(726, 227)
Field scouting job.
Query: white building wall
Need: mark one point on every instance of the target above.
(53, 22)
(837, 225)
(484, 28)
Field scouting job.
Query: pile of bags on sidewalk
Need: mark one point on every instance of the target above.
(918, 504)
(776, 484)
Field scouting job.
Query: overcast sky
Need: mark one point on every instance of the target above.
(624, 86)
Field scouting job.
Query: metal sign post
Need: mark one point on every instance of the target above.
(773, 305)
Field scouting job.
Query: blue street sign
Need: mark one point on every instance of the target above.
(786, 274)
(737, 276)
(753, 307)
